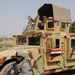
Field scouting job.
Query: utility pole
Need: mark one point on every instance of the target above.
(63, 3)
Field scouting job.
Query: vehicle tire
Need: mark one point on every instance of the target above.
(7, 68)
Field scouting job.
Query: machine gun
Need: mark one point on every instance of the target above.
(31, 19)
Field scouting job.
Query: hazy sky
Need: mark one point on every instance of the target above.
(14, 13)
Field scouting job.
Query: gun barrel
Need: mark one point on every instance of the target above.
(31, 19)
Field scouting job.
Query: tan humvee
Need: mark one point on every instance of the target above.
(46, 41)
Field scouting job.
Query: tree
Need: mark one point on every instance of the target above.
(72, 28)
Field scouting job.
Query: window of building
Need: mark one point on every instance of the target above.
(50, 24)
(73, 43)
(57, 43)
(34, 40)
(63, 25)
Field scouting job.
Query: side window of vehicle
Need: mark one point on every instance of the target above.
(57, 43)
(21, 41)
(34, 40)
(63, 25)
(73, 43)
(50, 24)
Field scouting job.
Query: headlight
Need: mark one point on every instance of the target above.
(1, 61)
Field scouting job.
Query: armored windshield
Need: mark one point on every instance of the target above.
(34, 40)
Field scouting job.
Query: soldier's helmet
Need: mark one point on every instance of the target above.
(20, 53)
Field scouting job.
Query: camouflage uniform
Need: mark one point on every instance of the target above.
(23, 68)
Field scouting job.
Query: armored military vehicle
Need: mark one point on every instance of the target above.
(46, 41)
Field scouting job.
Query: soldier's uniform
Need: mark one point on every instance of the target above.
(23, 67)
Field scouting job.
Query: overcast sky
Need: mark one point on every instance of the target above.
(14, 13)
